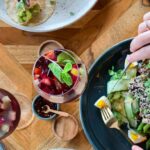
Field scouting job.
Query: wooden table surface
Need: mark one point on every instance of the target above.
(109, 22)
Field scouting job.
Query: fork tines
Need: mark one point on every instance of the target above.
(107, 116)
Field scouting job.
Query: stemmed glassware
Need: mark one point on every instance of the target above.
(59, 76)
(9, 114)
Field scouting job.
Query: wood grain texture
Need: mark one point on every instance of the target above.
(109, 22)
(18, 79)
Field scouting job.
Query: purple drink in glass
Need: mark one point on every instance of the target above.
(9, 113)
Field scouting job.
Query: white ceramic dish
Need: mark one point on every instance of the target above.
(66, 13)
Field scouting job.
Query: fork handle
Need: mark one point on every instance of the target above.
(116, 126)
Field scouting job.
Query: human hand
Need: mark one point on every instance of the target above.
(139, 46)
(134, 147)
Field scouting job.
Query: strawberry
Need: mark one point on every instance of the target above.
(36, 76)
(65, 88)
(74, 66)
(37, 71)
(46, 81)
(2, 120)
(43, 75)
(47, 90)
(51, 55)
(58, 86)
(74, 78)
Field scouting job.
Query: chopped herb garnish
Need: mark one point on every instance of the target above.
(148, 66)
(52, 2)
(147, 83)
(116, 75)
(72, 13)
(21, 5)
(25, 13)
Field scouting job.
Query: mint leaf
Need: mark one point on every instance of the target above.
(67, 67)
(62, 75)
(67, 61)
(66, 77)
(65, 58)
(21, 5)
(56, 70)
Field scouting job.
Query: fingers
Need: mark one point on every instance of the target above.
(141, 54)
(146, 16)
(140, 51)
(134, 147)
(144, 26)
(140, 41)
(146, 23)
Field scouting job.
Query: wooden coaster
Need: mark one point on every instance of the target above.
(65, 128)
(49, 45)
(27, 115)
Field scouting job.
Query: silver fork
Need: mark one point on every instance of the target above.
(111, 121)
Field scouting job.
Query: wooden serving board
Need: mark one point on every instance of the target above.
(109, 22)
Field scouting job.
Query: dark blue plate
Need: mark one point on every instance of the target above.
(101, 137)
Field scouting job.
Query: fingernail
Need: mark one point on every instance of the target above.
(134, 147)
(132, 48)
(133, 44)
(129, 58)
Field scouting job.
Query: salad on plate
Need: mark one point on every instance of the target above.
(129, 100)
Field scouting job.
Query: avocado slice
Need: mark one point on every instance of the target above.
(122, 85)
(129, 111)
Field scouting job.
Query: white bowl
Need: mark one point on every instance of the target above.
(61, 17)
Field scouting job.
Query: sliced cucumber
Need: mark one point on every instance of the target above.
(135, 106)
(122, 85)
(129, 112)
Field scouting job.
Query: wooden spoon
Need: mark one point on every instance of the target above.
(61, 113)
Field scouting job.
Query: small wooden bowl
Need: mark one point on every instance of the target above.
(37, 115)
(49, 45)
(65, 128)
